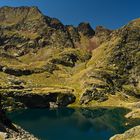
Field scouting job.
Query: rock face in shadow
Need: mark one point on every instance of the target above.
(86, 29)
(16, 72)
(30, 99)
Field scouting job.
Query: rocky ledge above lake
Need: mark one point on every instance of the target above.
(132, 134)
(37, 98)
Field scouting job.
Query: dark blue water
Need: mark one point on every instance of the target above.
(73, 124)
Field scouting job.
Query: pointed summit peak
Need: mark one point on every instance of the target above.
(86, 29)
(14, 15)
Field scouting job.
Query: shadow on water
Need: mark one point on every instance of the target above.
(74, 123)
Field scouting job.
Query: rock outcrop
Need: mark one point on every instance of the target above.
(36, 98)
(132, 134)
(86, 29)
(9, 131)
(102, 34)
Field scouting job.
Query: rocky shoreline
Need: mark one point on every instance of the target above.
(9, 131)
(131, 134)
(13, 131)
(20, 134)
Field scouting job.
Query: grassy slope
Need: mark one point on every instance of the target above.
(77, 77)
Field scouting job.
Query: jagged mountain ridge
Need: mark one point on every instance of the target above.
(28, 27)
(26, 32)
(30, 21)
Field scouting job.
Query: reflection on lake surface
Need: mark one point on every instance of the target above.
(74, 123)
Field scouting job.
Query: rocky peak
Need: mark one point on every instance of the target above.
(86, 29)
(28, 28)
(25, 29)
(14, 15)
(102, 33)
(55, 23)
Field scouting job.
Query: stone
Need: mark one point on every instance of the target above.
(3, 136)
(53, 105)
(132, 134)
(136, 105)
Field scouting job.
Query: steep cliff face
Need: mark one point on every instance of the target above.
(37, 98)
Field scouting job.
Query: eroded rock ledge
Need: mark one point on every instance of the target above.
(36, 98)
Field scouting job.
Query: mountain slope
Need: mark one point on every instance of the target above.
(114, 66)
(42, 58)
